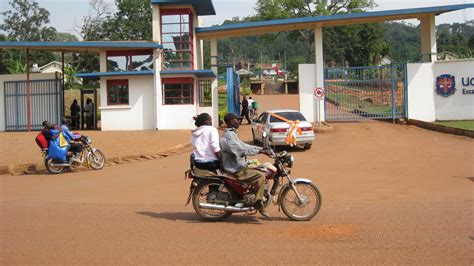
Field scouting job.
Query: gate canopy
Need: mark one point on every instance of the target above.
(80, 47)
(279, 25)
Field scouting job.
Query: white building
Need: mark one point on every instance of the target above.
(158, 84)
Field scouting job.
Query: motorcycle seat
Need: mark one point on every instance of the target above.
(206, 173)
(203, 172)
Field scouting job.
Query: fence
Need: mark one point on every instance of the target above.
(357, 93)
(45, 104)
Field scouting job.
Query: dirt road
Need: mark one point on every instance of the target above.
(392, 194)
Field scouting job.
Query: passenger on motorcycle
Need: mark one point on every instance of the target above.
(74, 147)
(234, 159)
(205, 140)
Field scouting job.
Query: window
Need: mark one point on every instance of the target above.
(288, 115)
(177, 38)
(138, 60)
(117, 92)
(178, 91)
(205, 93)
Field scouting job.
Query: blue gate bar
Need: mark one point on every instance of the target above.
(358, 93)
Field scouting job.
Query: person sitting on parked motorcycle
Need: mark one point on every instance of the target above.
(46, 130)
(205, 140)
(234, 160)
(74, 147)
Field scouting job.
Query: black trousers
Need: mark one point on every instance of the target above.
(211, 166)
(76, 147)
(245, 112)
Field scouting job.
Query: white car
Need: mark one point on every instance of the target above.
(277, 130)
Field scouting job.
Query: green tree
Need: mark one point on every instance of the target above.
(90, 29)
(131, 21)
(26, 21)
(371, 46)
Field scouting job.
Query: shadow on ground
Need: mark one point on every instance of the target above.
(191, 217)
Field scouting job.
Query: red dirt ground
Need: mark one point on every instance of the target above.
(392, 194)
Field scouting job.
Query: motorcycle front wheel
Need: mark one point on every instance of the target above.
(96, 160)
(301, 210)
(53, 169)
(206, 192)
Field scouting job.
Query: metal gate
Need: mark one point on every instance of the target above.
(233, 91)
(45, 103)
(357, 93)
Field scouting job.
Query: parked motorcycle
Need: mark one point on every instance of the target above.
(89, 157)
(216, 196)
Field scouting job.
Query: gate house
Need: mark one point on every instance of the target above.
(158, 84)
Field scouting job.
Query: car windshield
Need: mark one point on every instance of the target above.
(288, 115)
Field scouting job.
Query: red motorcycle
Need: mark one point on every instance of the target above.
(216, 196)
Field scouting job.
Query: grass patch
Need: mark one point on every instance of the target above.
(462, 124)
(222, 104)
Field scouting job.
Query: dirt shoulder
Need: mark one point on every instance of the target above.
(21, 148)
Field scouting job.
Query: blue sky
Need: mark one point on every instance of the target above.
(65, 12)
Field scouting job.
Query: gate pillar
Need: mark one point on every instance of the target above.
(318, 45)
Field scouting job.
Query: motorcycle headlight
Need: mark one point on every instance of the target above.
(88, 141)
(289, 159)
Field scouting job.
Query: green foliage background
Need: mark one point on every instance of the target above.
(356, 45)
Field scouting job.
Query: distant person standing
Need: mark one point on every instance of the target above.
(251, 111)
(245, 109)
(75, 114)
(89, 110)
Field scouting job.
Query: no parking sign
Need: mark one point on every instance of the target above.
(318, 93)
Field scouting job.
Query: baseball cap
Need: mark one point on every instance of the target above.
(230, 116)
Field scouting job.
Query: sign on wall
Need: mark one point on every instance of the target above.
(446, 85)
(454, 90)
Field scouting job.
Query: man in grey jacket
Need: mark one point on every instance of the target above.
(234, 154)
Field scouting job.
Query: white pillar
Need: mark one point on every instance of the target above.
(157, 87)
(428, 38)
(318, 43)
(156, 27)
(103, 82)
(215, 95)
(198, 46)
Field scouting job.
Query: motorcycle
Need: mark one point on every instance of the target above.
(89, 157)
(215, 197)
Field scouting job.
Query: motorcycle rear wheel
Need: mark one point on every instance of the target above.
(301, 211)
(97, 160)
(53, 169)
(200, 194)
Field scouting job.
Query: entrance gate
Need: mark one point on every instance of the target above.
(233, 92)
(357, 93)
(46, 103)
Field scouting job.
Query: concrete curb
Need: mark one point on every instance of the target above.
(441, 128)
(37, 168)
(322, 128)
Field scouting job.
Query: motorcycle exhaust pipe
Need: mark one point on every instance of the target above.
(224, 208)
(60, 164)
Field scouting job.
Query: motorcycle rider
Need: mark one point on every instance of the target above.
(74, 147)
(234, 152)
(205, 140)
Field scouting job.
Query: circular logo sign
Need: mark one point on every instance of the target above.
(319, 93)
